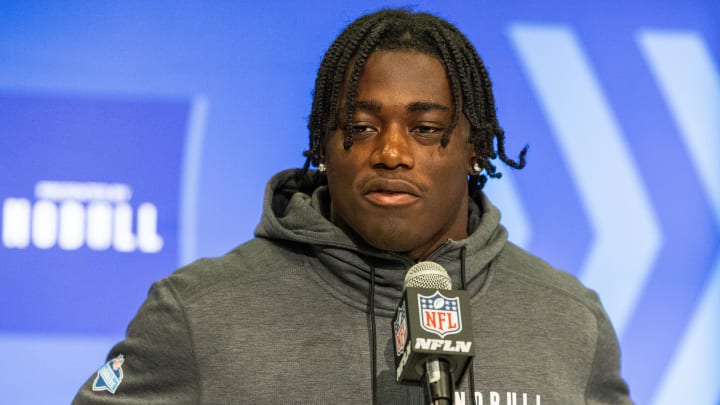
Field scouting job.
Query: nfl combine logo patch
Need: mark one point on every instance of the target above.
(439, 314)
(110, 375)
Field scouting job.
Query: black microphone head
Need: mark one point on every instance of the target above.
(428, 275)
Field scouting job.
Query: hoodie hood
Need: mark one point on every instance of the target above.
(296, 210)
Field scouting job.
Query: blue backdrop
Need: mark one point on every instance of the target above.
(136, 137)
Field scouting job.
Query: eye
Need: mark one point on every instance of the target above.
(360, 130)
(428, 132)
(427, 129)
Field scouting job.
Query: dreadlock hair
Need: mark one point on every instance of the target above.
(404, 30)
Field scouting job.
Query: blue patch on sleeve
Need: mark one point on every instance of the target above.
(110, 375)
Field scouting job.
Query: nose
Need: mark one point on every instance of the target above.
(393, 148)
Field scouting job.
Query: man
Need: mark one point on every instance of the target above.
(403, 132)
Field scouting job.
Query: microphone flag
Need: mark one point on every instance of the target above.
(432, 323)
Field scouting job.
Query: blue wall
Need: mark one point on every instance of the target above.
(169, 119)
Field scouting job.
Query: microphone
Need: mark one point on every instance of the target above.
(432, 330)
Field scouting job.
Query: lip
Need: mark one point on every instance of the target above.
(390, 192)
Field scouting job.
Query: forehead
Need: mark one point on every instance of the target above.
(404, 76)
(417, 76)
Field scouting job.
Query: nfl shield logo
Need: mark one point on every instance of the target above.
(439, 314)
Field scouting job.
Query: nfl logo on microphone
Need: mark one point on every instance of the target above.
(439, 314)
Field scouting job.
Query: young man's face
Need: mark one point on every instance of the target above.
(397, 187)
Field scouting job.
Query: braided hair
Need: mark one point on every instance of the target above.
(404, 30)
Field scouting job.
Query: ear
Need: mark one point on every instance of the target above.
(472, 161)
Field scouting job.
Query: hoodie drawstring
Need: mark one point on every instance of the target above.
(373, 335)
(471, 382)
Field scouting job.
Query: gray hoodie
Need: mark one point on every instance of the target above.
(284, 319)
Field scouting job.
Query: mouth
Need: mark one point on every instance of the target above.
(390, 192)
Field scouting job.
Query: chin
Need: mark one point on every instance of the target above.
(389, 237)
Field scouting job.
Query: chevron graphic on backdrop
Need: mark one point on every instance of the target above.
(690, 84)
(624, 262)
(684, 70)
(626, 234)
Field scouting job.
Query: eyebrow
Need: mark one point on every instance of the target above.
(426, 106)
(375, 107)
(370, 106)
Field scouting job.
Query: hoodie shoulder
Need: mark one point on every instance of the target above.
(515, 262)
(256, 261)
